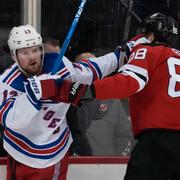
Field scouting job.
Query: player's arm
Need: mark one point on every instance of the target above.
(115, 87)
(131, 79)
(12, 113)
(52, 88)
(98, 68)
(88, 70)
(118, 86)
(91, 69)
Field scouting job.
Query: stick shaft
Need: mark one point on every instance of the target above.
(68, 37)
(132, 12)
(127, 25)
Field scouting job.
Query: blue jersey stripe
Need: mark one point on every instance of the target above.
(31, 144)
(4, 114)
(35, 155)
(97, 68)
(10, 74)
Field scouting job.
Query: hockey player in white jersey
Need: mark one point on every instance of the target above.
(36, 136)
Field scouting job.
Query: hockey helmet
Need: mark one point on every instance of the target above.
(22, 37)
(165, 28)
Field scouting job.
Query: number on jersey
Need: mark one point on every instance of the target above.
(139, 54)
(173, 64)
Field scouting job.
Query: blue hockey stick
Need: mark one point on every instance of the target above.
(68, 37)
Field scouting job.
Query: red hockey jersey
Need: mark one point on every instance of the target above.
(151, 80)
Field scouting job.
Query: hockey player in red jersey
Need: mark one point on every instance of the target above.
(151, 80)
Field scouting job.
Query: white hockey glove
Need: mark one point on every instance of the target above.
(123, 54)
(41, 87)
(132, 43)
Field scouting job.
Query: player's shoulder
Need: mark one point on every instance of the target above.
(165, 49)
(147, 50)
(174, 52)
(13, 78)
(151, 47)
(9, 72)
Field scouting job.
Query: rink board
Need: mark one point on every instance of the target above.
(89, 168)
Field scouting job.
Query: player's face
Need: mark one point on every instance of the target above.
(30, 60)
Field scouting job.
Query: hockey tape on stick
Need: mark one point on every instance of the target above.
(68, 37)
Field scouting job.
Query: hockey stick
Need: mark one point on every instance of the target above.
(126, 29)
(68, 37)
(131, 11)
(127, 25)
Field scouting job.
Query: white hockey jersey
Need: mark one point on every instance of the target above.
(37, 135)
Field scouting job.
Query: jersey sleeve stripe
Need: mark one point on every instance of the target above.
(138, 73)
(140, 81)
(13, 74)
(96, 68)
(12, 78)
(136, 69)
(76, 65)
(93, 67)
(140, 76)
(63, 72)
(4, 109)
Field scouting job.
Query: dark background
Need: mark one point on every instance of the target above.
(100, 28)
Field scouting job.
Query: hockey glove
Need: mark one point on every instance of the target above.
(70, 92)
(51, 87)
(138, 39)
(41, 87)
(121, 56)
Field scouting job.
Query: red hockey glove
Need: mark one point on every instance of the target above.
(41, 87)
(52, 87)
(70, 92)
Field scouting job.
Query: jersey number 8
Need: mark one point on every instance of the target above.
(173, 63)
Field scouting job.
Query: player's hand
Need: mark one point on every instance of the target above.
(70, 92)
(121, 56)
(51, 87)
(139, 39)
